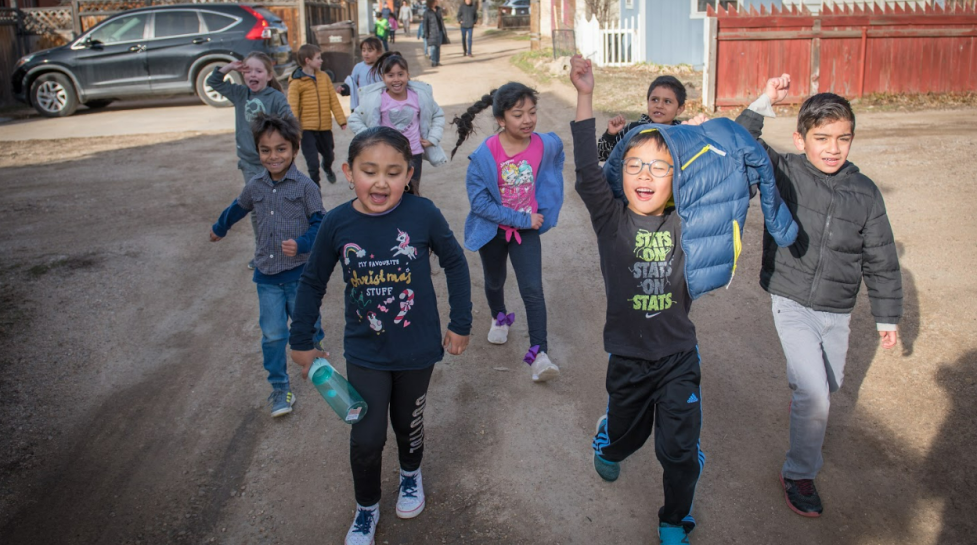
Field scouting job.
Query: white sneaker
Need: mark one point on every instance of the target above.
(543, 368)
(364, 525)
(410, 500)
(499, 332)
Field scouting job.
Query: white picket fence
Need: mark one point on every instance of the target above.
(618, 45)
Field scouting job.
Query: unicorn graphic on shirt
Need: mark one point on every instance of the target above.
(404, 247)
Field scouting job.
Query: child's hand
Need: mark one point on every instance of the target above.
(305, 358)
(338, 88)
(777, 88)
(581, 75)
(235, 65)
(616, 124)
(699, 119)
(290, 247)
(342, 127)
(537, 221)
(425, 143)
(888, 338)
(454, 343)
(214, 237)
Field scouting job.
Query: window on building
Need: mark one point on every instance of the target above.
(699, 6)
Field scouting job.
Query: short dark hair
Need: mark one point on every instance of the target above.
(670, 82)
(648, 135)
(430, 4)
(288, 127)
(372, 42)
(824, 108)
(306, 52)
(380, 135)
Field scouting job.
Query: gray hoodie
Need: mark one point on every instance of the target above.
(246, 105)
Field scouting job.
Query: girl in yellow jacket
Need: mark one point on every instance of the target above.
(314, 102)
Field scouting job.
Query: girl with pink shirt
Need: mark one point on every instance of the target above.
(515, 185)
(405, 105)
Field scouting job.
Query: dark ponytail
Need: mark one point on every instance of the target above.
(386, 62)
(501, 100)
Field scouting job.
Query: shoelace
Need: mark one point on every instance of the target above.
(364, 521)
(408, 485)
(806, 486)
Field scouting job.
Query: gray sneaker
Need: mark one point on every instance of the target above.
(281, 402)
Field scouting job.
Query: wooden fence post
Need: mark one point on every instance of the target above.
(711, 33)
(75, 19)
(534, 37)
(303, 34)
(816, 56)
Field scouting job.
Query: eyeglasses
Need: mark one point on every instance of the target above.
(657, 168)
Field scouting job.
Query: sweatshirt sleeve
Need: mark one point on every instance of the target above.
(231, 215)
(312, 287)
(486, 206)
(282, 108)
(436, 131)
(880, 266)
(452, 260)
(753, 122)
(231, 91)
(591, 185)
(305, 241)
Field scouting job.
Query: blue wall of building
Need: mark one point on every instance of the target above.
(673, 36)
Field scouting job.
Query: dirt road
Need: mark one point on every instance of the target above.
(132, 393)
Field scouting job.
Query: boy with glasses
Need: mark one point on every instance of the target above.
(656, 258)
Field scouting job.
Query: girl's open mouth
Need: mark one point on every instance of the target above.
(378, 198)
(644, 194)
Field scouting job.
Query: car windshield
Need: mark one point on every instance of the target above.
(123, 29)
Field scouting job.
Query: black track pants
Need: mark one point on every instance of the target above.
(314, 144)
(661, 395)
(404, 392)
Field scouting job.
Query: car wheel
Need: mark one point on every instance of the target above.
(96, 104)
(207, 94)
(53, 95)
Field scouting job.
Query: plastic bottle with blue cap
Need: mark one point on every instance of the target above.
(337, 391)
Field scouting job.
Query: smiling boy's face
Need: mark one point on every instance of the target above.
(647, 195)
(276, 154)
(827, 146)
(663, 105)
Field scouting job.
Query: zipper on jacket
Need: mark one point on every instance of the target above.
(319, 102)
(824, 236)
(696, 156)
(737, 249)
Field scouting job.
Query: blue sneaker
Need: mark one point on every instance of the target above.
(281, 402)
(672, 535)
(364, 526)
(609, 471)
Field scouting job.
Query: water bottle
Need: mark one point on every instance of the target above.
(338, 393)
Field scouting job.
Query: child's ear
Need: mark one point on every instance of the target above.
(799, 141)
(348, 172)
(680, 110)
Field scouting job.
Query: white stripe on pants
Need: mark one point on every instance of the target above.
(815, 344)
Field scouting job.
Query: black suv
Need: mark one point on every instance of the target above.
(163, 50)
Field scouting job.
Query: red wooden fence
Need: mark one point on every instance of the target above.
(843, 50)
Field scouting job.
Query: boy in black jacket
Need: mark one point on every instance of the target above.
(844, 237)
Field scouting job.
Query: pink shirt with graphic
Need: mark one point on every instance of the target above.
(517, 178)
(404, 116)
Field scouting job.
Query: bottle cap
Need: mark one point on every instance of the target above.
(317, 364)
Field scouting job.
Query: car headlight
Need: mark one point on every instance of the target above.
(23, 61)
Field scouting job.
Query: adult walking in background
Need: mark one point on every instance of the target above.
(405, 17)
(467, 18)
(434, 31)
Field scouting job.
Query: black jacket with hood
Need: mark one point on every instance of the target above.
(844, 236)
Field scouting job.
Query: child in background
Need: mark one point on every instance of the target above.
(381, 241)
(666, 101)
(261, 93)
(284, 242)
(407, 106)
(362, 75)
(515, 185)
(382, 29)
(658, 251)
(392, 20)
(813, 284)
(406, 16)
(314, 102)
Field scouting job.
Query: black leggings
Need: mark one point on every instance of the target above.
(404, 392)
(314, 144)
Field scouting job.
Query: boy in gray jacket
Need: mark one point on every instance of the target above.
(844, 237)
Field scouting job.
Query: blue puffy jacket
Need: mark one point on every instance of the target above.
(716, 164)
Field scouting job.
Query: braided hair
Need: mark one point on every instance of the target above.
(501, 100)
(386, 62)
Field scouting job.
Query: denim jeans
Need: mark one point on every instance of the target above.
(466, 39)
(276, 303)
(420, 29)
(436, 54)
(527, 261)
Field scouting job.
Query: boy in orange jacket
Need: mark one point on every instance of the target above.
(314, 102)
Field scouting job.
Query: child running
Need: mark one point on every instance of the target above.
(407, 106)
(812, 286)
(261, 93)
(381, 241)
(362, 75)
(515, 185)
(314, 102)
(666, 101)
(284, 242)
(655, 259)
